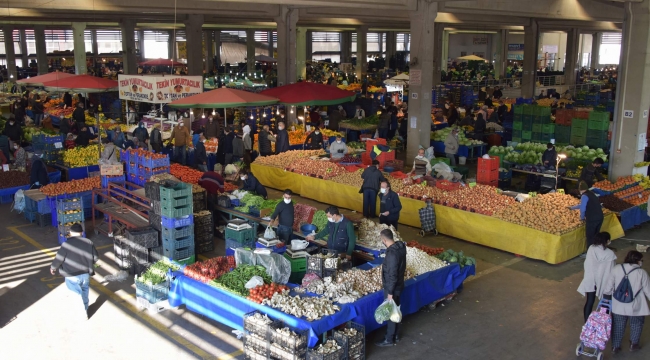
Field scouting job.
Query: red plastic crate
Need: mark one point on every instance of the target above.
(384, 157)
(487, 176)
(370, 143)
(447, 185)
(581, 114)
(365, 159)
(486, 165)
(494, 183)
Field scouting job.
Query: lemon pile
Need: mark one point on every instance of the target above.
(82, 156)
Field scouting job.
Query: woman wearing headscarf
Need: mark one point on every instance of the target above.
(248, 144)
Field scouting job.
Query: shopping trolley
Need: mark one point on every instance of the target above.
(428, 219)
(596, 332)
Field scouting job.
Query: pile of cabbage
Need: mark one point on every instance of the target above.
(441, 135)
(531, 153)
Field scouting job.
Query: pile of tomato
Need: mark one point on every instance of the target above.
(265, 291)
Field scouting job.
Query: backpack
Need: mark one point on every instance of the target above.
(623, 292)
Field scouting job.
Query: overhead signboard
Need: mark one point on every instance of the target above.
(480, 40)
(515, 57)
(157, 89)
(515, 47)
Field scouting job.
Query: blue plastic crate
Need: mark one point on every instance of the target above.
(153, 163)
(30, 215)
(30, 205)
(54, 139)
(234, 202)
(124, 156)
(277, 250)
(234, 244)
(177, 222)
(173, 244)
(112, 179)
(152, 293)
(177, 233)
(177, 254)
(55, 177)
(132, 169)
(43, 206)
(81, 172)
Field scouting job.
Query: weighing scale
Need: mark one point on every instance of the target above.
(268, 242)
(238, 225)
(300, 253)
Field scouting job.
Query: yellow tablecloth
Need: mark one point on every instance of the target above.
(472, 227)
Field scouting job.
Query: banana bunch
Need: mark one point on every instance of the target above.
(81, 156)
(644, 181)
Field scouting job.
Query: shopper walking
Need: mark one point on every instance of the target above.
(284, 214)
(636, 310)
(237, 148)
(200, 156)
(339, 232)
(392, 279)
(451, 146)
(599, 263)
(212, 128)
(389, 205)
(590, 211)
(281, 139)
(182, 138)
(264, 140)
(372, 179)
(384, 124)
(75, 261)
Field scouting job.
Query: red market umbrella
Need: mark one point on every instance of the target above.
(82, 84)
(41, 79)
(307, 93)
(223, 98)
(162, 62)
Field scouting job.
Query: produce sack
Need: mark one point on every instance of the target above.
(387, 311)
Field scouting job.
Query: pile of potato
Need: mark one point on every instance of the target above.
(548, 213)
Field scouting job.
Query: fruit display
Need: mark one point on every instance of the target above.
(348, 159)
(613, 203)
(643, 180)
(459, 258)
(349, 178)
(315, 168)
(441, 135)
(286, 158)
(228, 187)
(185, 174)
(482, 199)
(421, 190)
(639, 199)
(235, 280)
(621, 182)
(297, 137)
(205, 271)
(265, 291)
(82, 156)
(548, 213)
(629, 192)
(574, 173)
(356, 145)
(13, 178)
(72, 187)
(60, 112)
(427, 249)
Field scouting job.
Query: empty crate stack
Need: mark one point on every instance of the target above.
(143, 245)
(488, 171)
(50, 146)
(69, 212)
(579, 132)
(37, 208)
(597, 129)
(203, 232)
(173, 217)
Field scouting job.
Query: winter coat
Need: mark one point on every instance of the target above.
(314, 141)
(248, 142)
(393, 268)
(639, 281)
(212, 129)
(390, 202)
(384, 120)
(199, 154)
(337, 151)
(110, 153)
(451, 144)
(549, 155)
(252, 184)
(598, 265)
(119, 140)
(38, 172)
(79, 115)
(372, 178)
(156, 138)
(264, 143)
(181, 136)
(282, 141)
(237, 147)
(227, 142)
(84, 137)
(13, 132)
(141, 133)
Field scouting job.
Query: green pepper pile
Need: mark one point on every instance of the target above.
(320, 220)
(235, 281)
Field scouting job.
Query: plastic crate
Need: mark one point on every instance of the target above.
(68, 204)
(175, 191)
(70, 218)
(176, 254)
(177, 222)
(138, 253)
(204, 247)
(177, 233)
(255, 347)
(153, 307)
(293, 345)
(241, 236)
(602, 125)
(153, 163)
(146, 237)
(30, 215)
(370, 143)
(179, 243)
(517, 125)
(487, 176)
(132, 169)
(526, 135)
(596, 142)
(548, 128)
(31, 205)
(490, 164)
(181, 262)
(234, 244)
(152, 293)
(262, 331)
(175, 212)
(43, 220)
(43, 206)
(199, 201)
(337, 355)
(155, 221)
(353, 345)
(152, 190)
(120, 179)
(297, 264)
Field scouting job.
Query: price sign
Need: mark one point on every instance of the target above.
(5, 167)
(308, 128)
(58, 145)
(326, 122)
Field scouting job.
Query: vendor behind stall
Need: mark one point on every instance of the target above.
(250, 183)
(38, 175)
(592, 171)
(84, 137)
(549, 158)
(314, 140)
(141, 133)
(338, 149)
(110, 151)
(21, 157)
(284, 214)
(339, 231)
(79, 115)
(421, 165)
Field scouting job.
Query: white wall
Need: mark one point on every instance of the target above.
(459, 43)
(558, 39)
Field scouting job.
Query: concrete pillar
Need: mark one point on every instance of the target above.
(301, 53)
(8, 32)
(632, 93)
(41, 49)
(391, 46)
(217, 47)
(193, 36)
(270, 38)
(445, 50)
(287, 45)
(531, 40)
(421, 67)
(93, 41)
(595, 50)
(208, 36)
(571, 60)
(309, 45)
(346, 47)
(24, 53)
(141, 43)
(250, 52)
(171, 49)
(407, 39)
(362, 52)
(78, 29)
(128, 47)
(501, 53)
(439, 28)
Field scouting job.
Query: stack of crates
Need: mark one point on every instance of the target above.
(487, 172)
(541, 119)
(203, 232)
(579, 132)
(262, 340)
(563, 117)
(597, 129)
(517, 123)
(562, 134)
(141, 166)
(244, 238)
(37, 208)
(50, 146)
(144, 245)
(69, 213)
(353, 337)
(298, 268)
(175, 210)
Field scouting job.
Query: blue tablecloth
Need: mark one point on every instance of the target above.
(463, 151)
(229, 309)
(55, 120)
(632, 217)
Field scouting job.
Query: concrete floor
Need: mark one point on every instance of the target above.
(515, 308)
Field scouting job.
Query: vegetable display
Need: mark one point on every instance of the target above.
(235, 281)
(13, 178)
(270, 204)
(157, 273)
(82, 156)
(185, 174)
(427, 249)
(72, 187)
(315, 168)
(481, 199)
(548, 213)
(369, 234)
(286, 158)
(613, 203)
(250, 201)
(312, 308)
(418, 262)
(320, 220)
(441, 135)
(205, 271)
(459, 258)
(265, 291)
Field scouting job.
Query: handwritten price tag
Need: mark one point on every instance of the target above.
(58, 145)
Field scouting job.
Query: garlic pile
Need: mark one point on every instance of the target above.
(418, 262)
(259, 319)
(369, 234)
(349, 332)
(286, 343)
(329, 347)
(312, 308)
(365, 281)
(340, 292)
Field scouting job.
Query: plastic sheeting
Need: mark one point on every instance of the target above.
(277, 266)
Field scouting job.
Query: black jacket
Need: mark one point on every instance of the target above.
(503, 110)
(76, 256)
(19, 114)
(67, 126)
(37, 107)
(314, 141)
(479, 126)
(453, 117)
(13, 132)
(497, 94)
(393, 268)
(67, 99)
(227, 143)
(84, 137)
(282, 141)
(252, 184)
(199, 153)
(141, 133)
(594, 211)
(38, 172)
(285, 212)
(78, 115)
(156, 137)
(264, 142)
(494, 117)
(390, 202)
(372, 178)
(550, 155)
(588, 173)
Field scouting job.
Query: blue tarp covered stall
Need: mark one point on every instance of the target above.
(632, 217)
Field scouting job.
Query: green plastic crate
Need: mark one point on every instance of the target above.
(298, 264)
(187, 261)
(439, 160)
(519, 109)
(548, 128)
(562, 130)
(546, 138)
(517, 125)
(240, 236)
(601, 116)
(516, 134)
(599, 134)
(527, 126)
(541, 111)
(541, 119)
(537, 136)
(537, 128)
(528, 109)
(579, 132)
(526, 135)
(518, 117)
(579, 124)
(578, 140)
(598, 125)
(516, 139)
(596, 142)
(179, 190)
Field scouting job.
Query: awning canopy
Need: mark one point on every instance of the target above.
(82, 84)
(40, 79)
(308, 93)
(400, 79)
(224, 98)
(161, 62)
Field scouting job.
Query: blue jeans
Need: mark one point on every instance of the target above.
(37, 119)
(284, 233)
(369, 203)
(180, 152)
(80, 285)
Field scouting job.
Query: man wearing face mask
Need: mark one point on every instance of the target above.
(182, 138)
(38, 174)
(284, 214)
(250, 183)
(281, 139)
(141, 133)
(13, 132)
(265, 138)
(389, 205)
(200, 155)
(339, 232)
(372, 179)
(338, 149)
(314, 141)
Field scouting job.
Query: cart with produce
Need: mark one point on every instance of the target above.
(428, 219)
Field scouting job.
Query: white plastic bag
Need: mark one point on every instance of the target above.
(387, 311)
(254, 282)
(269, 233)
(19, 201)
(396, 314)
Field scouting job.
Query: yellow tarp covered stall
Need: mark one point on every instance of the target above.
(465, 225)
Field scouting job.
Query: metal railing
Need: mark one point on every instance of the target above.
(551, 80)
(487, 83)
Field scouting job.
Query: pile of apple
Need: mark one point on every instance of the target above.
(480, 199)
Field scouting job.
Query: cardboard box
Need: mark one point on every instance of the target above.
(111, 169)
